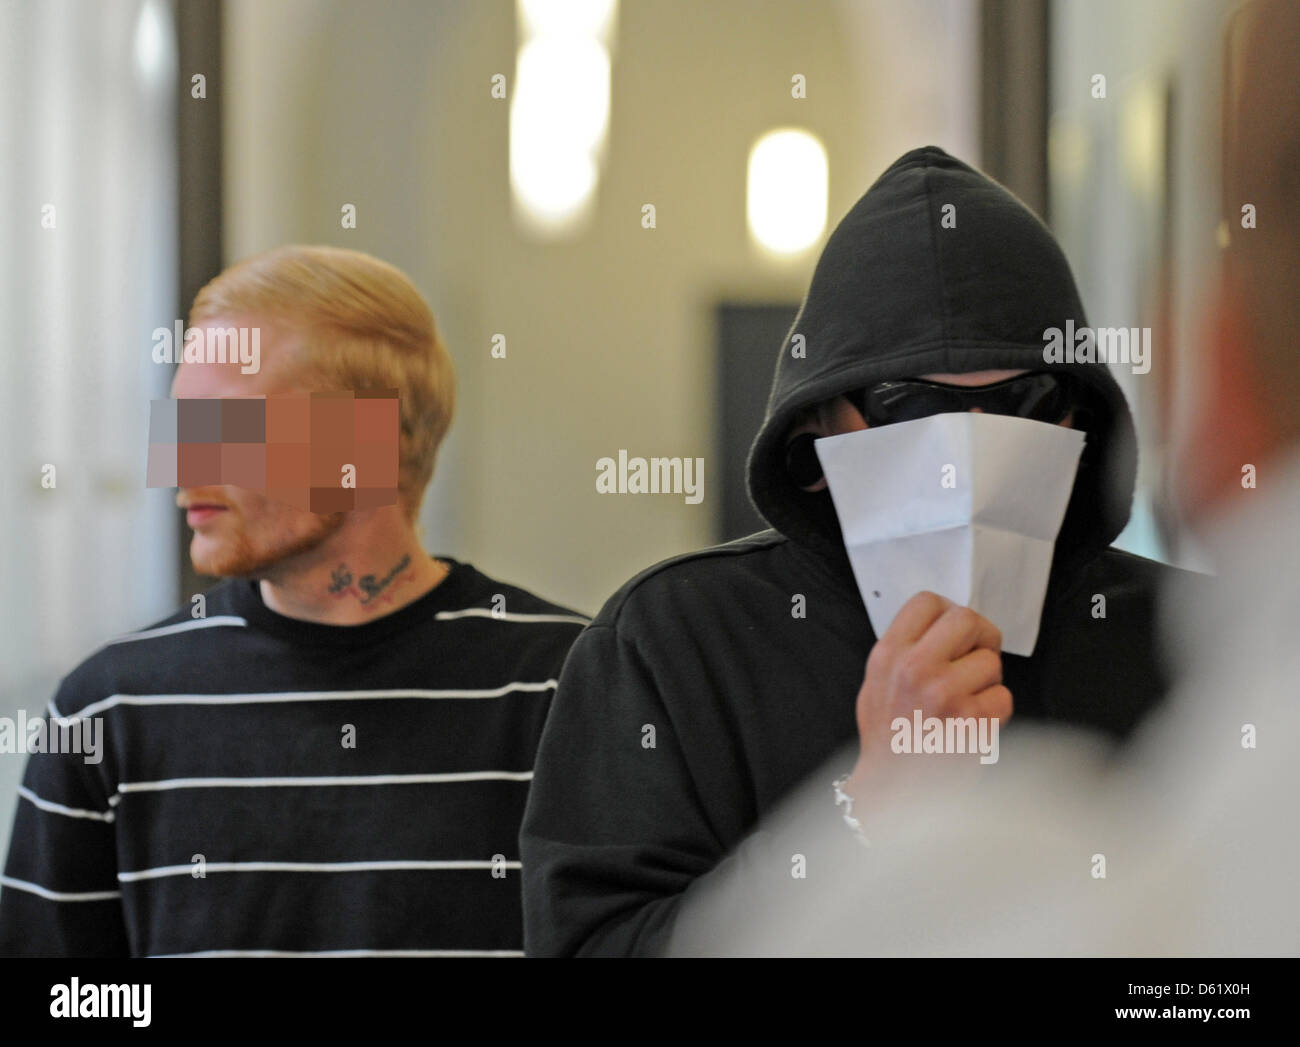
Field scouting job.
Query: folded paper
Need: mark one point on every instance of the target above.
(964, 505)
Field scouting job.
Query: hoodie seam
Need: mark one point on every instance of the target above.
(758, 542)
(942, 290)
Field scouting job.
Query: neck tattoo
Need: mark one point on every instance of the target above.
(368, 587)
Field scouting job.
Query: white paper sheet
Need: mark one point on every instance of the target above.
(964, 505)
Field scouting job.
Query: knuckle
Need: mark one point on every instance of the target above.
(935, 694)
(926, 600)
(882, 651)
(913, 671)
(963, 617)
(990, 662)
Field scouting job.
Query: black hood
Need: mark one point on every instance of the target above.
(896, 294)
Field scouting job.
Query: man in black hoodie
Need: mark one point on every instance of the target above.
(700, 696)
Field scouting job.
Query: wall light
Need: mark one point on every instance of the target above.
(559, 111)
(787, 191)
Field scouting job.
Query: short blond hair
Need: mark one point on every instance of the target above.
(367, 327)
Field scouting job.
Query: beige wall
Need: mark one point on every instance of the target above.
(609, 336)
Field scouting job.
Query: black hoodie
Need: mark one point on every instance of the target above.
(713, 683)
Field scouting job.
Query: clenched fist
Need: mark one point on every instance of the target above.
(938, 657)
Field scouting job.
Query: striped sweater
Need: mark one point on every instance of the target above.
(273, 786)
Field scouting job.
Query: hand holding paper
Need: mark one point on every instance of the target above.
(964, 505)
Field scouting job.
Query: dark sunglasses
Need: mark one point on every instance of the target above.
(1040, 396)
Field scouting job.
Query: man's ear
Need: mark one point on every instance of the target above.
(828, 418)
(801, 462)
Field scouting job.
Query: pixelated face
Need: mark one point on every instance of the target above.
(242, 531)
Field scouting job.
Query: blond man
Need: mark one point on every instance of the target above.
(333, 758)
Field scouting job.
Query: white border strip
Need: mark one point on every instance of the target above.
(295, 696)
(355, 779)
(338, 952)
(508, 616)
(181, 627)
(314, 867)
(59, 896)
(58, 808)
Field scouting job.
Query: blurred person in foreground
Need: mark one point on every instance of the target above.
(714, 683)
(313, 766)
(1189, 846)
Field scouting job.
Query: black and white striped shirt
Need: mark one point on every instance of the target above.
(270, 786)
